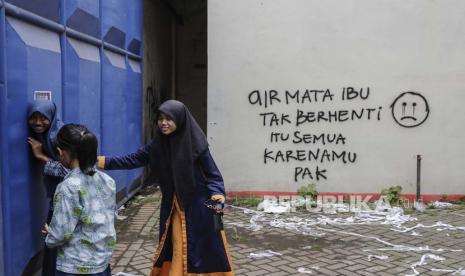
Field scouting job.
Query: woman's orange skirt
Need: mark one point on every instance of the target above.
(178, 265)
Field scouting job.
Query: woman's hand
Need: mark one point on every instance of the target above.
(36, 147)
(101, 162)
(45, 230)
(218, 198)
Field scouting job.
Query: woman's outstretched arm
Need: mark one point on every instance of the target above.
(137, 159)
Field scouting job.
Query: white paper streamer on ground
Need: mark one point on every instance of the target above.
(379, 257)
(120, 217)
(459, 271)
(442, 205)
(306, 227)
(270, 206)
(419, 206)
(252, 225)
(311, 226)
(443, 226)
(423, 262)
(383, 213)
(304, 270)
(393, 216)
(264, 254)
(390, 216)
(440, 225)
(124, 274)
(391, 246)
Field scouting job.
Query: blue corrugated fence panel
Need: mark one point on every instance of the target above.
(102, 92)
(31, 52)
(83, 16)
(134, 34)
(49, 9)
(3, 163)
(114, 110)
(2, 158)
(82, 90)
(133, 97)
(114, 22)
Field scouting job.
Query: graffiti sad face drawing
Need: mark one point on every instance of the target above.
(410, 109)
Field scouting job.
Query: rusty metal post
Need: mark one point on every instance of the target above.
(418, 176)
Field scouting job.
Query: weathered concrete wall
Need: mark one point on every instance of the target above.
(348, 64)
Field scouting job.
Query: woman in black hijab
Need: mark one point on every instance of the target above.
(44, 124)
(189, 243)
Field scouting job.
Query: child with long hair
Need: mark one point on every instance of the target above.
(82, 226)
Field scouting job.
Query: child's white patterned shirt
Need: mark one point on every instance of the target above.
(82, 227)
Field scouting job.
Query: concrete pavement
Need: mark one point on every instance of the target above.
(302, 243)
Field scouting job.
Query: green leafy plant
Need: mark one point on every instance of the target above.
(250, 201)
(309, 191)
(392, 194)
(459, 201)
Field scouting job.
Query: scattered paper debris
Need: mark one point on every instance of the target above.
(124, 274)
(439, 225)
(307, 226)
(304, 270)
(120, 217)
(419, 206)
(271, 206)
(379, 257)
(459, 271)
(423, 262)
(313, 226)
(264, 254)
(442, 205)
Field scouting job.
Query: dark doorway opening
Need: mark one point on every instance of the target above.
(175, 57)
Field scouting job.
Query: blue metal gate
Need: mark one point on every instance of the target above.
(87, 55)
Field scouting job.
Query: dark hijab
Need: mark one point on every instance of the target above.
(174, 155)
(49, 110)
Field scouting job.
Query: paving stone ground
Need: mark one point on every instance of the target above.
(342, 250)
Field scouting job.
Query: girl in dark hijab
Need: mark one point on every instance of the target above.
(45, 124)
(189, 242)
